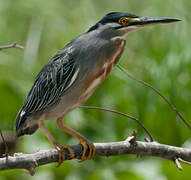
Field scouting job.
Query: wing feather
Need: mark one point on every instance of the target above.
(57, 76)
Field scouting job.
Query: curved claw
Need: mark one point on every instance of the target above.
(87, 146)
(61, 154)
(60, 150)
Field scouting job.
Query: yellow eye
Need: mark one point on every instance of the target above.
(123, 20)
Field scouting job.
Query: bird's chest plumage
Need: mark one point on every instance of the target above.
(102, 70)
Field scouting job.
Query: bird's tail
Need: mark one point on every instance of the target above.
(23, 126)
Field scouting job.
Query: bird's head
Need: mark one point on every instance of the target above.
(122, 23)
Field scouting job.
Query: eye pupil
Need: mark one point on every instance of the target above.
(123, 21)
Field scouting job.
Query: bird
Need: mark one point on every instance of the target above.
(74, 73)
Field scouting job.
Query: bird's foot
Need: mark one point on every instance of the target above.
(61, 154)
(87, 147)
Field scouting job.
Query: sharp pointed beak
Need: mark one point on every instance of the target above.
(144, 21)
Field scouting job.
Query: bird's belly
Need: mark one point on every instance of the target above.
(67, 103)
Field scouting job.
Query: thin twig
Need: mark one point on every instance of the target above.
(5, 144)
(186, 162)
(14, 45)
(158, 92)
(178, 165)
(132, 138)
(122, 114)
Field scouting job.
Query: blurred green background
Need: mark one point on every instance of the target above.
(159, 55)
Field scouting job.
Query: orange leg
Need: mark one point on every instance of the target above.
(58, 147)
(86, 144)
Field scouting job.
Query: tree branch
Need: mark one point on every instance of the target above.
(129, 146)
(14, 45)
